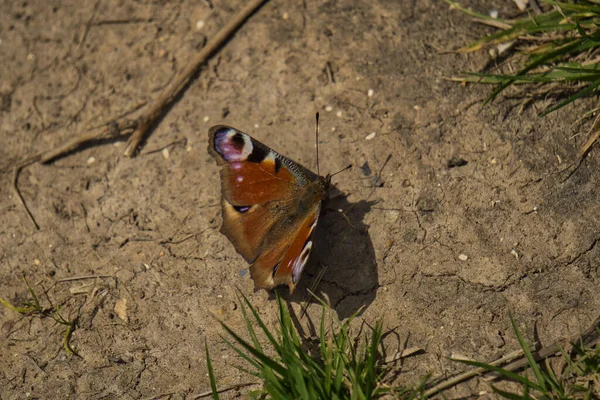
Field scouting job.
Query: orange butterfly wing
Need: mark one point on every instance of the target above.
(270, 206)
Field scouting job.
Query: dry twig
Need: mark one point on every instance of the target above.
(138, 127)
(517, 360)
(15, 187)
(165, 98)
(225, 389)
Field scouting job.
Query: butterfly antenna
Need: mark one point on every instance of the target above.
(341, 170)
(317, 141)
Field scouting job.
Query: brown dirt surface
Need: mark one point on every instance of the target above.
(441, 253)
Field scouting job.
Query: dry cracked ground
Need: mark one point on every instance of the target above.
(474, 216)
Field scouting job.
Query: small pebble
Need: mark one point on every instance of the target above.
(285, 16)
(463, 257)
(256, 126)
(91, 160)
(392, 216)
(165, 153)
(494, 14)
(206, 118)
(370, 92)
(502, 47)
(370, 136)
(338, 114)
(328, 108)
(200, 24)
(521, 4)
(120, 309)
(36, 261)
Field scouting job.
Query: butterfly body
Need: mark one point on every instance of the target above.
(270, 206)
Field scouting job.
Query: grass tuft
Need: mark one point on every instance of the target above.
(579, 380)
(555, 48)
(340, 366)
(34, 308)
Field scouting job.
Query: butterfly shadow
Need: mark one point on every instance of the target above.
(344, 249)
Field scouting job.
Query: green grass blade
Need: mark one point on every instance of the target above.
(326, 355)
(580, 8)
(262, 357)
(211, 373)
(511, 396)
(249, 326)
(588, 90)
(507, 374)
(256, 364)
(532, 363)
(20, 310)
(247, 371)
(534, 64)
(260, 322)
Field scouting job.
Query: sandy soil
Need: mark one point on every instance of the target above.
(442, 253)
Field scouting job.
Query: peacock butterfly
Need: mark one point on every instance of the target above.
(270, 206)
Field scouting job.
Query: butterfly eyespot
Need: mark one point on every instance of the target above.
(232, 145)
(241, 209)
(238, 141)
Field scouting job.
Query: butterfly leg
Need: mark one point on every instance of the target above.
(343, 213)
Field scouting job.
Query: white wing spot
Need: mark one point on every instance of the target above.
(300, 262)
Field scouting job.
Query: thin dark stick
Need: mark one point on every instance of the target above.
(588, 145)
(88, 24)
(166, 97)
(317, 142)
(111, 130)
(314, 283)
(15, 186)
(455, 380)
(225, 389)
